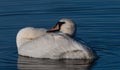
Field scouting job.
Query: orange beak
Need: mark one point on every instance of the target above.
(56, 27)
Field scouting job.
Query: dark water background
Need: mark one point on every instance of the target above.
(98, 24)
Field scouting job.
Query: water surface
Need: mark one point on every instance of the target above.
(98, 25)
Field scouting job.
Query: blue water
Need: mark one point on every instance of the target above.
(98, 25)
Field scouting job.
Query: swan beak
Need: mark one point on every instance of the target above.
(56, 27)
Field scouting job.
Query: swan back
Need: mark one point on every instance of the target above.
(28, 34)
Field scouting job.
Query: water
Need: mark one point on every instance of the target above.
(98, 25)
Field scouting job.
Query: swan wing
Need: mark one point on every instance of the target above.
(53, 46)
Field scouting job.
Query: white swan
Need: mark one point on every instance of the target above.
(40, 43)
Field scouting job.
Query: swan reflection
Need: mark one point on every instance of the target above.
(48, 64)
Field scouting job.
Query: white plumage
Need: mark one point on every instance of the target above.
(38, 43)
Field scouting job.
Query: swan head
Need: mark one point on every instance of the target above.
(65, 26)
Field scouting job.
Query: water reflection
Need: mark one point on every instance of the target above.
(48, 64)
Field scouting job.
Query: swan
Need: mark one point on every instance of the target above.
(55, 43)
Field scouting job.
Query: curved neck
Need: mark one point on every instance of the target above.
(68, 31)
